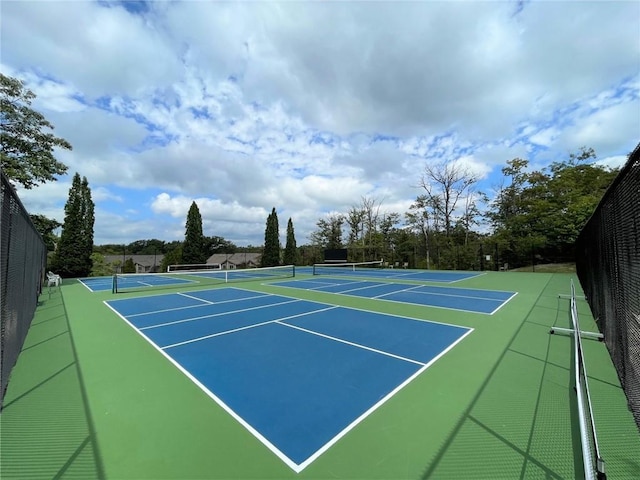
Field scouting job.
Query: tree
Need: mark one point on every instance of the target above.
(547, 209)
(446, 183)
(290, 251)
(329, 233)
(73, 257)
(45, 227)
(26, 148)
(99, 266)
(271, 252)
(216, 244)
(129, 266)
(172, 257)
(193, 250)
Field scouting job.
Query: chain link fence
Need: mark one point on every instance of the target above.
(608, 266)
(23, 257)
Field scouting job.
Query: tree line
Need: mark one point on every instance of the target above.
(534, 216)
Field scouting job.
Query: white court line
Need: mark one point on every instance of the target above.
(397, 291)
(504, 303)
(153, 312)
(193, 319)
(467, 278)
(463, 296)
(349, 283)
(364, 288)
(290, 463)
(358, 345)
(374, 407)
(246, 327)
(275, 450)
(207, 302)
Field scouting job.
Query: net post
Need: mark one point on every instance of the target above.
(114, 284)
(293, 271)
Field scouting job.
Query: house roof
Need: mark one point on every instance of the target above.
(235, 258)
(144, 260)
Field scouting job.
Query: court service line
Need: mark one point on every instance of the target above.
(364, 288)
(380, 402)
(246, 327)
(460, 296)
(358, 345)
(326, 285)
(154, 312)
(192, 319)
(397, 291)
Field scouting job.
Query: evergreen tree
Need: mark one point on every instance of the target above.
(73, 258)
(88, 221)
(271, 253)
(290, 251)
(129, 266)
(193, 250)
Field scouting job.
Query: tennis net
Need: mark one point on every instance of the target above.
(346, 268)
(128, 282)
(193, 267)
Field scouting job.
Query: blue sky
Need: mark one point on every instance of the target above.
(309, 107)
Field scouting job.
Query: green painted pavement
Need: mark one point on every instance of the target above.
(90, 398)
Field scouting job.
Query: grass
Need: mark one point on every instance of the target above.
(548, 268)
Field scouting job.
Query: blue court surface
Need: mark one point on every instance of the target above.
(392, 273)
(467, 299)
(97, 284)
(141, 280)
(297, 374)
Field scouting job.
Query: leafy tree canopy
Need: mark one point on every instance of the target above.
(45, 227)
(26, 145)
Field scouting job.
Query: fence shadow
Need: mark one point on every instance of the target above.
(46, 426)
(519, 424)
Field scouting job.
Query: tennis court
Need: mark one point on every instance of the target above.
(334, 365)
(466, 299)
(364, 270)
(257, 380)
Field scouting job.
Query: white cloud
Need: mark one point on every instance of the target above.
(308, 107)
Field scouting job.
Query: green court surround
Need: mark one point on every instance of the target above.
(90, 398)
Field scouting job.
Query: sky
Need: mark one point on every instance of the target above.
(311, 107)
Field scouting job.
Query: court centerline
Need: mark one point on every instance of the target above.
(198, 339)
(206, 304)
(193, 319)
(327, 285)
(397, 291)
(358, 345)
(363, 288)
